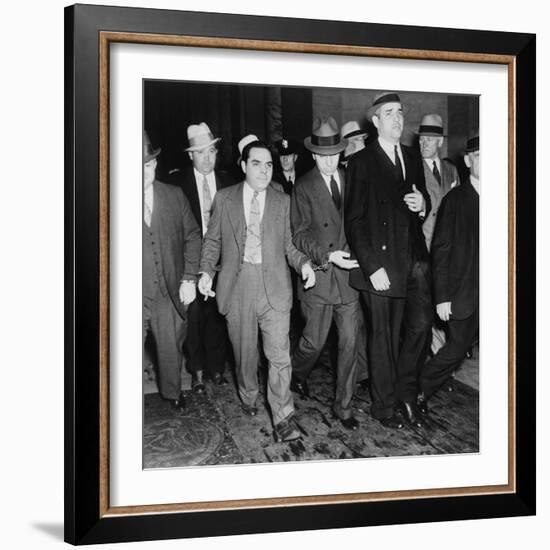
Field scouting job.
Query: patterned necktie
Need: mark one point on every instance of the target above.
(335, 193)
(206, 202)
(398, 166)
(437, 175)
(253, 245)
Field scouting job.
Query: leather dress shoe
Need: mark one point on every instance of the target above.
(249, 410)
(449, 384)
(219, 379)
(422, 404)
(177, 405)
(197, 384)
(299, 386)
(285, 431)
(395, 421)
(411, 414)
(350, 423)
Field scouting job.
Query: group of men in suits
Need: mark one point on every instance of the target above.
(359, 239)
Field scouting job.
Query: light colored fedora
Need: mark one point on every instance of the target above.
(200, 137)
(431, 125)
(381, 99)
(352, 130)
(325, 138)
(148, 152)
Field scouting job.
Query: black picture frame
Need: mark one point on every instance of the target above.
(88, 519)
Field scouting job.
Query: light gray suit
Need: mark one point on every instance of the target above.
(252, 295)
(449, 179)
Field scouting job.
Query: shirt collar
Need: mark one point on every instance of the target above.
(249, 191)
(199, 177)
(388, 146)
(336, 176)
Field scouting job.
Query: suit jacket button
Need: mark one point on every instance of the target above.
(326, 224)
(330, 245)
(384, 223)
(384, 247)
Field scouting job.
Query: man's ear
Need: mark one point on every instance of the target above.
(190, 155)
(243, 166)
(376, 121)
(439, 142)
(467, 161)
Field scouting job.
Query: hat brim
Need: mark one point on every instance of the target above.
(356, 135)
(431, 134)
(152, 156)
(330, 150)
(201, 147)
(371, 111)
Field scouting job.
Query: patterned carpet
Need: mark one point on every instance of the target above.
(213, 429)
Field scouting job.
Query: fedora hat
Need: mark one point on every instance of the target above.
(200, 137)
(325, 138)
(381, 99)
(286, 147)
(352, 129)
(431, 125)
(472, 144)
(148, 152)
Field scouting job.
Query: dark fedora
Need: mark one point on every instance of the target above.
(472, 145)
(381, 99)
(325, 138)
(431, 125)
(148, 152)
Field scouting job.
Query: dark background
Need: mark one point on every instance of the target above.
(272, 112)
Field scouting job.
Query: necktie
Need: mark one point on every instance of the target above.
(437, 175)
(335, 192)
(206, 202)
(398, 166)
(253, 244)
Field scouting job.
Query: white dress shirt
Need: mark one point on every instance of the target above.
(248, 193)
(336, 177)
(148, 198)
(211, 179)
(389, 148)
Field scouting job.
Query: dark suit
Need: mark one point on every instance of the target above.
(171, 252)
(318, 230)
(206, 341)
(383, 232)
(455, 266)
(252, 295)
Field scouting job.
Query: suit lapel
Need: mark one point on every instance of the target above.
(236, 213)
(194, 197)
(325, 198)
(270, 213)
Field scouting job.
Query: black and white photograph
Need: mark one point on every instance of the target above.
(310, 273)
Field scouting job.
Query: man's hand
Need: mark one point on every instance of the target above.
(188, 292)
(380, 280)
(415, 201)
(340, 258)
(308, 275)
(205, 286)
(444, 310)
